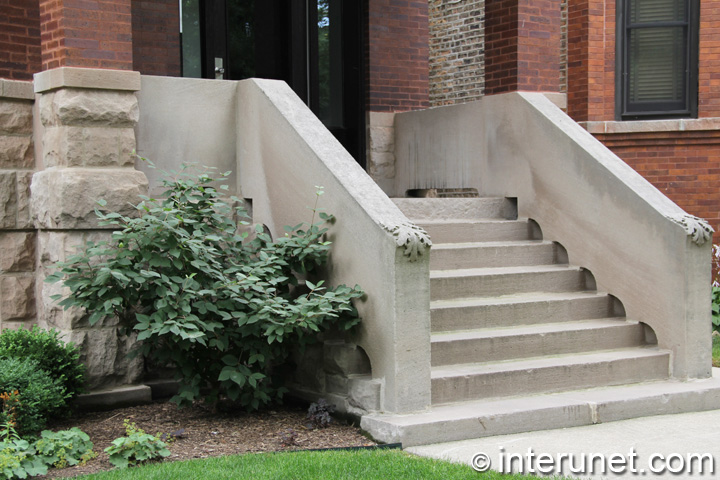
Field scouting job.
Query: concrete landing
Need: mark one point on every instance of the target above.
(672, 436)
(492, 417)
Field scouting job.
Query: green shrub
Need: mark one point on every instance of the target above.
(223, 311)
(38, 395)
(60, 360)
(18, 460)
(135, 447)
(64, 448)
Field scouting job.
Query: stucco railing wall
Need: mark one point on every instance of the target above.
(186, 120)
(284, 152)
(639, 245)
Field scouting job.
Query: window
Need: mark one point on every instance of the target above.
(657, 59)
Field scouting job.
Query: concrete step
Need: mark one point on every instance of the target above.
(462, 231)
(461, 383)
(497, 344)
(514, 310)
(460, 208)
(493, 282)
(485, 418)
(446, 256)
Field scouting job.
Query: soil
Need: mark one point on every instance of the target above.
(199, 433)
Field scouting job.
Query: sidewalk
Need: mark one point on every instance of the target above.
(669, 435)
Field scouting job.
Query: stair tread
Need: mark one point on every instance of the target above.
(516, 298)
(541, 401)
(536, 329)
(535, 363)
(472, 272)
(452, 221)
(494, 243)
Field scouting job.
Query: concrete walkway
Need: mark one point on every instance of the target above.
(665, 441)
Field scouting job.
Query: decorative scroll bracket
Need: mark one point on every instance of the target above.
(697, 228)
(414, 239)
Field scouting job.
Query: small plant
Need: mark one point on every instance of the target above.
(288, 438)
(38, 395)
(135, 447)
(319, 414)
(18, 460)
(65, 448)
(224, 311)
(61, 360)
(10, 403)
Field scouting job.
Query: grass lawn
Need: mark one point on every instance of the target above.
(716, 351)
(321, 465)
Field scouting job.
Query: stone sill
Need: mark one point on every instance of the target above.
(653, 126)
(16, 89)
(93, 78)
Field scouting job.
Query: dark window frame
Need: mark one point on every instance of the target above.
(626, 110)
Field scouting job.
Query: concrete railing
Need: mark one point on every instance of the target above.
(284, 152)
(639, 245)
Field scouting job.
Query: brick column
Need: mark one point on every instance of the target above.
(88, 117)
(522, 46)
(86, 33)
(17, 233)
(591, 60)
(19, 39)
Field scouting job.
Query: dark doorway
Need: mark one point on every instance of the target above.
(316, 46)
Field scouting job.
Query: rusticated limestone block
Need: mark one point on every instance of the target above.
(54, 247)
(88, 146)
(104, 353)
(17, 297)
(66, 198)
(24, 220)
(16, 152)
(8, 199)
(382, 165)
(87, 108)
(345, 358)
(26, 324)
(15, 116)
(364, 392)
(382, 139)
(17, 251)
(308, 374)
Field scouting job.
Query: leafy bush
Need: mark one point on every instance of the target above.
(60, 360)
(35, 395)
(64, 448)
(223, 310)
(18, 460)
(136, 447)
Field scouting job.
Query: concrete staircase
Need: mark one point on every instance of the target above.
(521, 340)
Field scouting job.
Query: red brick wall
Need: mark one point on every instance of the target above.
(86, 33)
(591, 60)
(709, 60)
(522, 46)
(156, 37)
(397, 55)
(685, 166)
(19, 39)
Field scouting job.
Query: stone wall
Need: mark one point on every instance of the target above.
(457, 51)
(87, 139)
(17, 233)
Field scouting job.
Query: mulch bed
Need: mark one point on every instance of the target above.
(202, 434)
